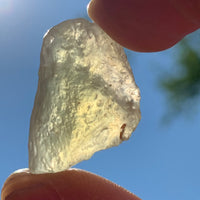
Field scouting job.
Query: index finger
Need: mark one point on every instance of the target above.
(146, 25)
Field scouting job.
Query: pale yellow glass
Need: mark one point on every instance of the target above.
(86, 101)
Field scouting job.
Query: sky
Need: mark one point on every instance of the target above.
(159, 161)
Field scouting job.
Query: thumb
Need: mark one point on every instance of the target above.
(72, 184)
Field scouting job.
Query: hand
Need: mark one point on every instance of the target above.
(146, 25)
(73, 184)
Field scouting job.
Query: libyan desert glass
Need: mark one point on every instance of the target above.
(86, 100)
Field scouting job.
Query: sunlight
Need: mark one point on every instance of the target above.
(5, 6)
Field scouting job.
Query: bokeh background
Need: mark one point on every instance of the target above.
(162, 158)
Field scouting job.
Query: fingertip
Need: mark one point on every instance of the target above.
(145, 26)
(70, 184)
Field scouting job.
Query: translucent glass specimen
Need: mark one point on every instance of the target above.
(86, 101)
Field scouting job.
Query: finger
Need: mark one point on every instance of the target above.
(72, 184)
(146, 25)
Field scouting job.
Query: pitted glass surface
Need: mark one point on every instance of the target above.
(86, 100)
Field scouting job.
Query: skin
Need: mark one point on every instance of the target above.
(72, 184)
(144, 26)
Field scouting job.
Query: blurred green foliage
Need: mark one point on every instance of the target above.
(183, 89)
